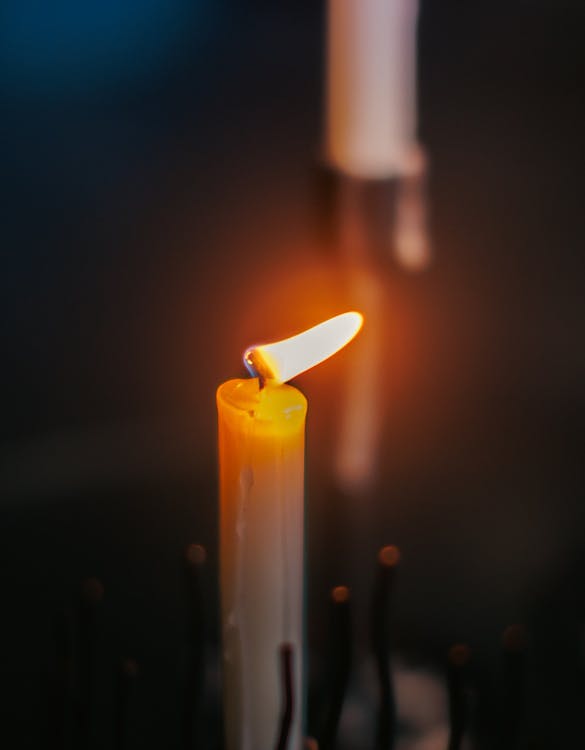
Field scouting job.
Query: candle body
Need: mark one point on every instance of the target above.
(371, 86)
(261, 460)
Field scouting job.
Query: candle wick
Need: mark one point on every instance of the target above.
(256, 366)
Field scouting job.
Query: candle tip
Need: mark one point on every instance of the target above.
(196, 554)
(514, 638)
(129, 668)
(340, 594)
(92, 591)
(459, 655)
(389, 556)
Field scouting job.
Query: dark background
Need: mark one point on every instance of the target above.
(162, 211)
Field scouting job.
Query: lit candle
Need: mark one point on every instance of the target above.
(371, 86)
(261, 460)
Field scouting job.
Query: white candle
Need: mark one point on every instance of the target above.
(371, 86)
(261, 456)
(261, 459)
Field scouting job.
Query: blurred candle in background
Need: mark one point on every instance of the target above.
(370, 140)
(371, 111)
(371, 86)
(261, 473)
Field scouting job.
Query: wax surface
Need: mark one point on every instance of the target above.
(261, 458)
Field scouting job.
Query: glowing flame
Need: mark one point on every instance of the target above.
(286, 359)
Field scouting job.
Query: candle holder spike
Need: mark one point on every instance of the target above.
(339, 665)
(288, 696)
(194, 560)
(380, 623)
(91, 597)
(458, 660)
(514, 644)
(61, 680)
(127, 673)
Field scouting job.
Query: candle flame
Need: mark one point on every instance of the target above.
(284, 360)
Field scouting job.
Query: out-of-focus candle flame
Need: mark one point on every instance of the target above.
(284, 360)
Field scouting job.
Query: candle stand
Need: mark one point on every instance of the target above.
(478, 714)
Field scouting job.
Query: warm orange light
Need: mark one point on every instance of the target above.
(284, 360)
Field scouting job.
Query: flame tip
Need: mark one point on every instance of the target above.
(284, 360)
